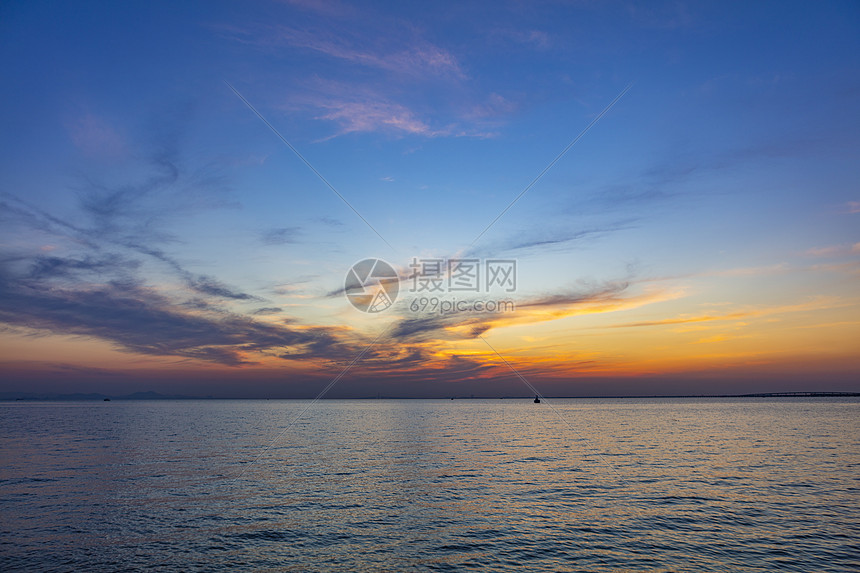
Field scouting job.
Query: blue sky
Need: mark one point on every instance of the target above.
(156, 233)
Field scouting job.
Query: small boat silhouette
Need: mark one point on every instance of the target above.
(537, 400)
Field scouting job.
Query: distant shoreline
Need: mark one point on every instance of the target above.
(93, 397)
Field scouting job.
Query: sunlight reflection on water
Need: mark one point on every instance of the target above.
(712, 484)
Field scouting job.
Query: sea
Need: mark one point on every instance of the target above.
(645, 484)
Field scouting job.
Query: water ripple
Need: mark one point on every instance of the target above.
(704, 485)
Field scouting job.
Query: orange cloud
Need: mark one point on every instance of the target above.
(834, 250)
(818, 303)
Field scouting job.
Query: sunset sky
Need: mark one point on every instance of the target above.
(701, 237)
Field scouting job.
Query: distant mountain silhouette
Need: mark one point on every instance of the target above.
(149, 395)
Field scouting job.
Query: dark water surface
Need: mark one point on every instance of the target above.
(387, 485)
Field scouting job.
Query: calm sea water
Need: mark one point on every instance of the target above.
(386, 485)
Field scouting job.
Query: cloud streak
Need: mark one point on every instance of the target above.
(139, 319)
(375, 73)
(600, 297)
(819, 303)
(375, 115)
(280, 236)
(833, 251)
(124, 216)
(411, 55)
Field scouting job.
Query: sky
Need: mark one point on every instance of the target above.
(674, 187)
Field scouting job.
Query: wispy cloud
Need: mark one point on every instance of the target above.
(43, 268)
(777, 268)
(833, 251)
(435, 346)
(375, 115)
(558, 237)
(94, 136)
(535, 39)
(329, 221)
(280, 235)
(267, 310)
(405, 55)
(213, 287)
(141, 320)
(372, 106)
(610, 296)
(494, 106)
(818, 303)
(127, 217)
(373, 72)
(102, 250)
